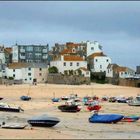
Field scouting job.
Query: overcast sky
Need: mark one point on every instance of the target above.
(115, 25)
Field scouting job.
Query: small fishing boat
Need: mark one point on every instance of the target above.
(25, 98)
(70, 106)
(130, 118)
(55, 99)
(43, 121)
(13, 126)
(95, 107)
(105, 118)
(112, 99)
(64, 98)
(122, 100)
(134, 102)
(9, 108)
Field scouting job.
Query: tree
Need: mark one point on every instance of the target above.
(65, 72)
(53, 69)
(79, 72)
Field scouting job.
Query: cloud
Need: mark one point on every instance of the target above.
(114, 24)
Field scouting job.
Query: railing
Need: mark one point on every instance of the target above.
(22, 50)
(44, 50)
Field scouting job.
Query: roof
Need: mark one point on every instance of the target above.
(96, 54)
(17, 65)
(8, 50)
(26, 65)
(73, 58)
(67, 51)
(84, 69)
(71, 44)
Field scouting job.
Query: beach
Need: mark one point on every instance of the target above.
(72, 125)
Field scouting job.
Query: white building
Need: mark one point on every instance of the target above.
(2, 55)
(68, 62)
(85, 72)
(27, 72)
(93, 47)
(98, 62)
(114, 70)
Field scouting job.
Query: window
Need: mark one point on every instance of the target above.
(29, 68)
(13, 70)
(96, 60)
(29, 48)
(30, 78)
(64, 64)
(29, 74)
(87, 73)
(40, 69)
(107, 60)
(70, 63)
(40, 74)
(13, 75)
(43, 79)
(125, 72)
(100, 66)
(38, 49)
(77, 64)
(25, 79)
(92, 48)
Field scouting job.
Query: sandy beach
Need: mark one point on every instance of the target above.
(72, 125)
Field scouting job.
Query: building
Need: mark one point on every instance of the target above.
(93, 47)
(2, 55)
(8, 55)
(138, 70)
(116, 71)
(68, 62)
(98, 62)
(27, 72)
(30, 53)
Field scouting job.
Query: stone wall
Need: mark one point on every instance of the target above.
(124, 82)
(10, 82)
(69, 80)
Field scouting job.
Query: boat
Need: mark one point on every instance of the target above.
(112, 99)
(55, 99)
(95, 107)
(9, 108)
(134, 102)
(25, 98)
(130, 118)
(105, 118)
(70, 106)
(64, 98)
(122, 100)
(43, 121)
(1, 98)
(13, 126)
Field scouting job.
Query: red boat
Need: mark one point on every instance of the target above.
(95, 107)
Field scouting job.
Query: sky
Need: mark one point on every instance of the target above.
(114, 24)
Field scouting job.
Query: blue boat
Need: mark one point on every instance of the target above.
(55, 99)
(25, 98)
(105, 118)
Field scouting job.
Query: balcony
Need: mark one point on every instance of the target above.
(44, 56)
(22, 57)
(22, 50)
(44, 50)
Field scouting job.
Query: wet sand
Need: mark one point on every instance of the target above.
(72, 125)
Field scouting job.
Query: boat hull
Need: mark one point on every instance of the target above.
(106, 118)
(10, 109)
(69, 108)
(44, 123)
